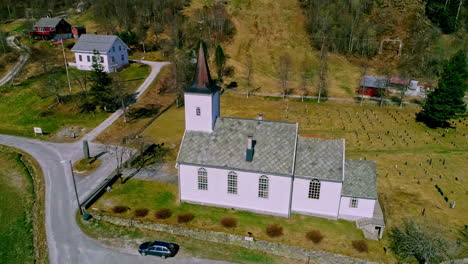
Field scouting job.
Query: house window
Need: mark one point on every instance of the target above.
(263, 187)
(202, 179)
(80, 57)
(198, 111)
(102, 59)
(88, 58)
(353, 203)
(314, 189)
(113, 59)
(120, 47)
(122, 57)
(232, 182)
(113, 49)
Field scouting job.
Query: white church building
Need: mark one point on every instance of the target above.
(113, 53)
(267, 167)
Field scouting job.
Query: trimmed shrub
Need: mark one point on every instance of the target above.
(360, 245)
(314, 236)
(274, 230)
(229, 222)
(119, 209)
(184, 218)
(163, 213)
(141, 212)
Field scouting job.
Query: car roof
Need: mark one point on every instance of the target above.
(160, 243)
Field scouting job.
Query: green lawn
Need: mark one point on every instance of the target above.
(132, 237)
(26, 106)
(16, 200)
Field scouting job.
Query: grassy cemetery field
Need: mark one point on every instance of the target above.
(17, 196)
(29, 105)
(413, 163)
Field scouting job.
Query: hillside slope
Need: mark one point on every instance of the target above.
(269, 29)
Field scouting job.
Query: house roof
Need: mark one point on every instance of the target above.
(360, 179)
(48, 22)
(202, 82)
(273, 148)
(91, 42)
(399, 80)
(374, 82)
(319, 158)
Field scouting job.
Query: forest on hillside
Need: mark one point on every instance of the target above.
(353, 28)
(356, 27)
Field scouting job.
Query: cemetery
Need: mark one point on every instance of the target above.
(420, 170)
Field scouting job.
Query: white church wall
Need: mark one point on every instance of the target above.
(246, 198)
(326, 206)
(365, 208)
(203, 122)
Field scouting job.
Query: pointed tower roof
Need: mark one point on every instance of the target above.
(202, 82)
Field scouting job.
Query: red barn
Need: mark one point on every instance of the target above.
(52, 28)
(372, 85)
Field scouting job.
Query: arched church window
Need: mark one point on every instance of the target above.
(198, 111)
(263, 186)
(314, 189)
(232, 183)
(202, 179)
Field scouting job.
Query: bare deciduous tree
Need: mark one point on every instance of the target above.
(323, 83)
(249, 70)
(285, 68)
(120, 154)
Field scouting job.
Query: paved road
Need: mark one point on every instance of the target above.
(67, 244)
(24, 56)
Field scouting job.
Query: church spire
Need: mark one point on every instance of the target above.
(202, 82)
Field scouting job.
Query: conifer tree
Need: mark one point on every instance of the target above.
(101, 89)
(447, 99)
(220, 60)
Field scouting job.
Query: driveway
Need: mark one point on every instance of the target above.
(66, 243)
(24, 56)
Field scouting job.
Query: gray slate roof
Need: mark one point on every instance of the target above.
(374, 82)
(91, 42)
(360, 179)
(48, 22)
(318, 158)
(274, 146)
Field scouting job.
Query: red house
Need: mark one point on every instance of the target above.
(372, 86)
(52, 28)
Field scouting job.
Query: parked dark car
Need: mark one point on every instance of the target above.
(158, 248)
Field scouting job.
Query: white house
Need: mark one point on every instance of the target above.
(266, 167)
(112, 50)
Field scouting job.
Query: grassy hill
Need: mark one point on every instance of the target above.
(269, 29)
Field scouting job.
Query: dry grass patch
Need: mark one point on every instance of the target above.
(360, 245)
(85, 167)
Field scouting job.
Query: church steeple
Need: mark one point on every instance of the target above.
(202, 82)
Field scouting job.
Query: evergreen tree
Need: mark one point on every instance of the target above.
(101, 89)
(447, 99)
(220, 60)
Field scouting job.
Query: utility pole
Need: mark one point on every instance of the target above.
(74, 185)
(66, 66)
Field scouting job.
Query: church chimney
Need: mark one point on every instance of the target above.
(249, 152)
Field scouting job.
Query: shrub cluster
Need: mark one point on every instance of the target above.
(360, 245)
(141, 212)
(314, 236)
(229, 222)
(184, 218)
(163, 213)
(119, 209)
(274, 230)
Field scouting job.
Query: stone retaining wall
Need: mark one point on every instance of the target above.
(224, 238)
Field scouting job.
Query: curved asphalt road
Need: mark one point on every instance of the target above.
(66, 243)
